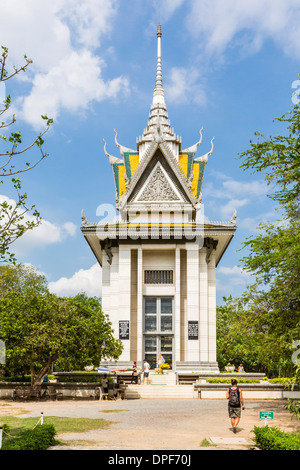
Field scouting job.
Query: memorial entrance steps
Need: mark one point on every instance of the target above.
(160, 386)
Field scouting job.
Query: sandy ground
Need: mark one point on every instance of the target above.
(155, 424)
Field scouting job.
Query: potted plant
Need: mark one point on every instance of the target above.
(229, 368)
(164, 366)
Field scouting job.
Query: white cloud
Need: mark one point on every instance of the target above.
(84, 280)
(60, 37)
(47, 233)
(234, 194)
(70, 85)
(89, 19)
(70, 228)
(184, 86)
(228, 209)
(252, 188)
(249, 223)
(229, 278)
(245, 24)
(168, 7)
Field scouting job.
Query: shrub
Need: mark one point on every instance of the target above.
(228, 381)
(288, 382)
(271, 438)
(294, 407)
(16, 378)
(39, 438)
(77, 378)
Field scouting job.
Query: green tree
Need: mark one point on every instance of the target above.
(272, 303)
(20, 277)
(236, 341)
(13, 223)
(40, 329)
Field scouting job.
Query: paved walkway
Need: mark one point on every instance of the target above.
(156, 424)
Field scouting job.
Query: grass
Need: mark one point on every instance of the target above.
(207, 443)
(61, 424)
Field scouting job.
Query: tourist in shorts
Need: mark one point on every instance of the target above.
(146, 371)
(235, 402)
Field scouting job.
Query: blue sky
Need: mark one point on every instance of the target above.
(228, 65)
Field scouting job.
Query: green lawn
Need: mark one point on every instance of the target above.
(61, 424)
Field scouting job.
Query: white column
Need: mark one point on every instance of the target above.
(212, 339)
(203, 295)
(192, 259)
(110, 284)
(105, 298)
(140, 306)
(124, 289)
(176, 357)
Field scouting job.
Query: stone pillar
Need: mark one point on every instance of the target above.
(177, 325)
(105, 300)
(140, 306)
(110, 283)
(203, 296)
(124, 288)
(212, 339)
(133, 307)
(192, 297)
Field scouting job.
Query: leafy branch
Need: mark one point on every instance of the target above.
(13, 223)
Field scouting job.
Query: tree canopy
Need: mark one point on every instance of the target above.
(265, 320)
(41, 329)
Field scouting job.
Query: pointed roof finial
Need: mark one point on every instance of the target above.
(159, 34)
(159, 95)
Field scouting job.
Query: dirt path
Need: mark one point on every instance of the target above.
(155, 424)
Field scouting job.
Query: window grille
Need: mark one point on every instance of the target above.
(158, 277)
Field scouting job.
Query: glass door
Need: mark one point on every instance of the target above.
(158, 329)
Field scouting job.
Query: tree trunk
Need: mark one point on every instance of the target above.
(31, 375)
(40, 377)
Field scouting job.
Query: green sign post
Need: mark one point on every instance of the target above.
(266, 415)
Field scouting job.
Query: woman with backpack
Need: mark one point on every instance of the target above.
(235, 402)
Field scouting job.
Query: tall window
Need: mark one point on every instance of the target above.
(158, 328)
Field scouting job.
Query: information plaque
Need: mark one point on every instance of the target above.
(192, 330)
(124, 329)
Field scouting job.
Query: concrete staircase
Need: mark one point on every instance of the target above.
(160, 386)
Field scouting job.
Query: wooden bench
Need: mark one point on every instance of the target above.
(187, 379)
(113, 393)
(128, 379)
(52, 393)
(28, 391)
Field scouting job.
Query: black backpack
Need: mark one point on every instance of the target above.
(234, 397)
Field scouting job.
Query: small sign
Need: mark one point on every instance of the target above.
(124, 329)
(192, 330)
(266, 415)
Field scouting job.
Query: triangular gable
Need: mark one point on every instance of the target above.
(158, 188)
(170, 161)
